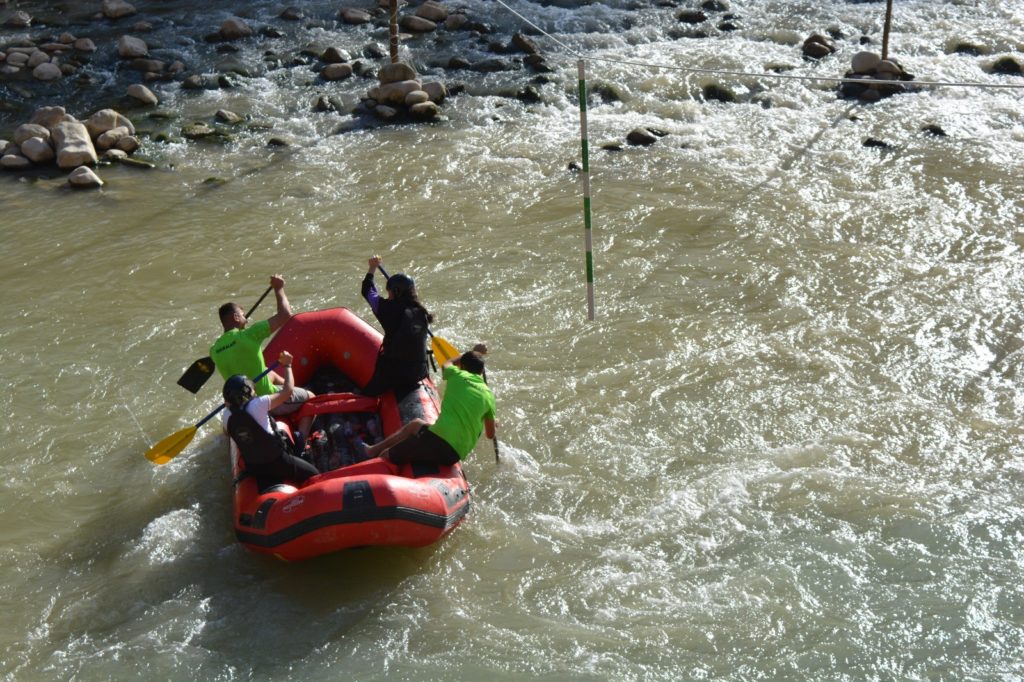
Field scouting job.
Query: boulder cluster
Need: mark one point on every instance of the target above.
(62, 55)
(427, 17)
(52, 136)
(48, 61)
(401, 94)
(26, 62)
(871, 78)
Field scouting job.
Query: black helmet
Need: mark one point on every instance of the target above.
(238, 390)
(401, 285)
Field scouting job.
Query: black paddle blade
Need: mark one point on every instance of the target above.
(196, 375)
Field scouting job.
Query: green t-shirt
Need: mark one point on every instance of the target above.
(467, 401)
(239, 351)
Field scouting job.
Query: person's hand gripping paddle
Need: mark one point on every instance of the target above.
(202, 369)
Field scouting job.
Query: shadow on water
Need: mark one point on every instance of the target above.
(263, 614)
(163, 572)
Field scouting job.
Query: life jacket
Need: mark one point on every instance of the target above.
(256, 446)
(406, 340)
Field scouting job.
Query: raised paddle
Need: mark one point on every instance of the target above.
(202, 369)
(444, 352)
(169, 448)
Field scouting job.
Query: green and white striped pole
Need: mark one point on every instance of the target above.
(586, 190)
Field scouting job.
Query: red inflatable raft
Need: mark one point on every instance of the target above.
(350, 504)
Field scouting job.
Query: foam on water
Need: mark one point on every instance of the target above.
(787, 448)
(164, 539)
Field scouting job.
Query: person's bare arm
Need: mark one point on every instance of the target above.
(279, 398)
(284, 309)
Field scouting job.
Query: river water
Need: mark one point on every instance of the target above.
(788, 446)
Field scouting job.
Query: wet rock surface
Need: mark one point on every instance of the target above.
(136, 56)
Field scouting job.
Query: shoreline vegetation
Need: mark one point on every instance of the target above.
(112, 60)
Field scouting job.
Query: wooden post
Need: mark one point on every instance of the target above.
(393, 30)
(885, 30)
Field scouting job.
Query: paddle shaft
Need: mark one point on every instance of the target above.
(256, 378)
(257, 304)
(212, 414)
(167, 449)
(497, 457)
(202, 369)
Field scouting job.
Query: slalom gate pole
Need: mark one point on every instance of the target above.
(588, 240)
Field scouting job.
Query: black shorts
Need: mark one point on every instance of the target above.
(425, 446)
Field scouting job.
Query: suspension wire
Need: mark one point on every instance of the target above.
(585, 144)
(828, 79)
(568, 49)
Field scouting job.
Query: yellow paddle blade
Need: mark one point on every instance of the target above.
(166, 450)
(443, 351)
